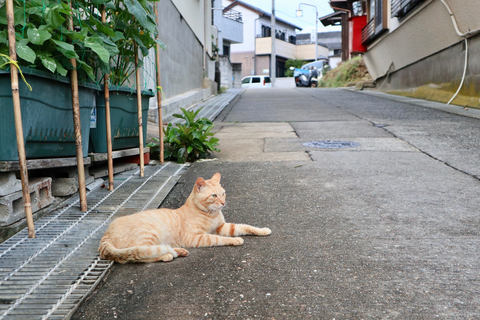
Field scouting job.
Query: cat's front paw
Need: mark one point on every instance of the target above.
(264, 232)
(237, 241)
(181, 252)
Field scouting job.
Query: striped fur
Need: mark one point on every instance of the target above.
(161, 234)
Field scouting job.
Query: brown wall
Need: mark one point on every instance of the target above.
(263, 62)
(246, 59)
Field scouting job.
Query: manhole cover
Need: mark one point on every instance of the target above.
(331, 144)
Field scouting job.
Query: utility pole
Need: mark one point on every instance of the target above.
(316, 34)
(273, 59)
(300, 13)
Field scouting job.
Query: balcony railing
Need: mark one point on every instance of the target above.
(233, 15)
(401, 8)
(368, 31)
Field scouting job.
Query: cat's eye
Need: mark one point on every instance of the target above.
(214, 195)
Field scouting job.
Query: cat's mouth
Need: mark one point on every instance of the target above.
(216, 208)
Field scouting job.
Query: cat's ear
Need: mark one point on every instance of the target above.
(199, 184)
(216, 177)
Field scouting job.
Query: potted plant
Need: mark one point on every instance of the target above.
(44, 49)
(134, 26)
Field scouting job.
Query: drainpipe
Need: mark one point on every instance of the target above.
(273, 57)
(255, 45)
(205, 35)
(464, 35)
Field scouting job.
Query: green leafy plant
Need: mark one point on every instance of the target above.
(190, 140)
(292, 63)
(134, 24)
(44, 42)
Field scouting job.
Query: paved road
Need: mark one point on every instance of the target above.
(386, 229)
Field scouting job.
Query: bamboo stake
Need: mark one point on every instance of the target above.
(139, 107)
(18, 120)
(159, 91)
(77, 126)
(107, 122)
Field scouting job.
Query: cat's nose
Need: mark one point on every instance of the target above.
(222, 203)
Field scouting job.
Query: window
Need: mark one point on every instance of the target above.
(226, 50)
(266, 31)
(292, 39)
(280, 35)
(371, 11)
(400, 8)
(255, 80)
(377, 20)
(267, 80)
(246, 80)
(358, 8)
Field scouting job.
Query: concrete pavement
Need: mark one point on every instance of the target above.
(47, 277)
(385, 228)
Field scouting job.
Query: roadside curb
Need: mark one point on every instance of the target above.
(458, 110)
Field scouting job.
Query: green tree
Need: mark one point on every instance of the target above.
(292, 63)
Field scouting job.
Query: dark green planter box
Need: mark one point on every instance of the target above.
(47, 116)
(123, 119)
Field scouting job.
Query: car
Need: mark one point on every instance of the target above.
(256, 81)
(308, 74)
(319, 64)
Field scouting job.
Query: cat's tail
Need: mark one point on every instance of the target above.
(137, 254)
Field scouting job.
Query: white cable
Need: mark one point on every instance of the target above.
(464, 35)
(464, 72)
(455, 25)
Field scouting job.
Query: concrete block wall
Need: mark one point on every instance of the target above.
(445, 66)
(226, 72)
(11, 205)
(181, 64)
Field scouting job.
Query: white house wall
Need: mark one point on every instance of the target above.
(424, 32)
(196, 14)
(248, 43)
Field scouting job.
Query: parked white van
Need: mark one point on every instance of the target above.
(256, 82)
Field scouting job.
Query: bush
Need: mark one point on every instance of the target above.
(346, 74)
(190, 140)
(292, 63)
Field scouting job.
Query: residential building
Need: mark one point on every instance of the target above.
(255, 52)
(414, 43)
(332, 40)
(187, 68)
(229, 30)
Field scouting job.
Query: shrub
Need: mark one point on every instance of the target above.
(292, 63)
(345, 74)
(190, 140)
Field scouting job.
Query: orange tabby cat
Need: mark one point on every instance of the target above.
(160, 234)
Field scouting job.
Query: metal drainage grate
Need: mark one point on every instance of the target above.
(46, 277)
(331, 144)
